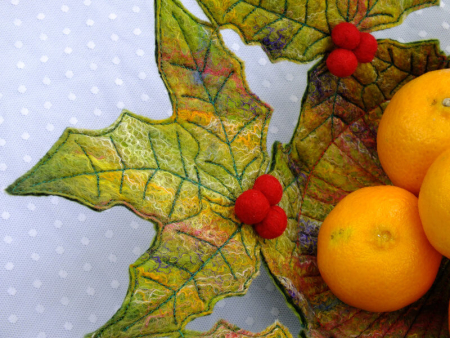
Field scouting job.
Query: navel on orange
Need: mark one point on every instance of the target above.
(415, 129)
(372, 250)
(434, 203)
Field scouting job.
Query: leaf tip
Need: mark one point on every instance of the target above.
(19, 187)
(16, 189)
(12, 189)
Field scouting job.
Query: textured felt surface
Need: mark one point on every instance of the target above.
(273, 225)
(183, 173)
(365, 52)
(301, 30)
(342, 62)
(345, 35)
(225, 329)
(331, 154)
(270, 187)
(251, 206)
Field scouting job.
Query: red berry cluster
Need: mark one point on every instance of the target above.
(257, 207)
(353, 47)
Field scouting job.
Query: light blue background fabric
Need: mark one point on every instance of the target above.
(64, 267)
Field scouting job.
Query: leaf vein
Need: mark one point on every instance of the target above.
(181, 155)
(177, 194)
(93, 167)
(116, 170)
(291, 19)
(147, 183)
(190, 274)
(159, 283)
(195, 97)
(122, 163)
(126, 328)
(208, 93)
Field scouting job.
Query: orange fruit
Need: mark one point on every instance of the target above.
(434, 203)
(415, 129)
(372, 251)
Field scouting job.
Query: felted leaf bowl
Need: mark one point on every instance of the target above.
(333, 151)
(184, 173)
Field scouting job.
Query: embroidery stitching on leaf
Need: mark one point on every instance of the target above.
(185, 173)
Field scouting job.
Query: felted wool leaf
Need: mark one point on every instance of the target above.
(184, 173)
(225, 329)
(332, 153)
(300, 30)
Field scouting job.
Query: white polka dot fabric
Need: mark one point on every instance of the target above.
(64, 267)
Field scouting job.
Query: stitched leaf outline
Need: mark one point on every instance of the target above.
(156, 168)
(300, 30)
(225, 329)
(184, 173)
(191, 265)
(332, 153)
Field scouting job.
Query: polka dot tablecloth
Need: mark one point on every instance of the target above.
(64, 267)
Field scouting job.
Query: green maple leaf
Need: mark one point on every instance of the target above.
(301, 30)
(184, 173)
(332, 153)
(225, 329)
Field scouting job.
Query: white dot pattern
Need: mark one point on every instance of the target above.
(77, 64)
(9, 266)
(39, 308)
(13, 319)
(92, 318)
(25, 136)
(37, 283)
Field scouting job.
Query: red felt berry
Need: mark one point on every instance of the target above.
(251, 206)
(273, 225)
(270, 187)
(367, 48)
(345, 35)
(342, 62)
